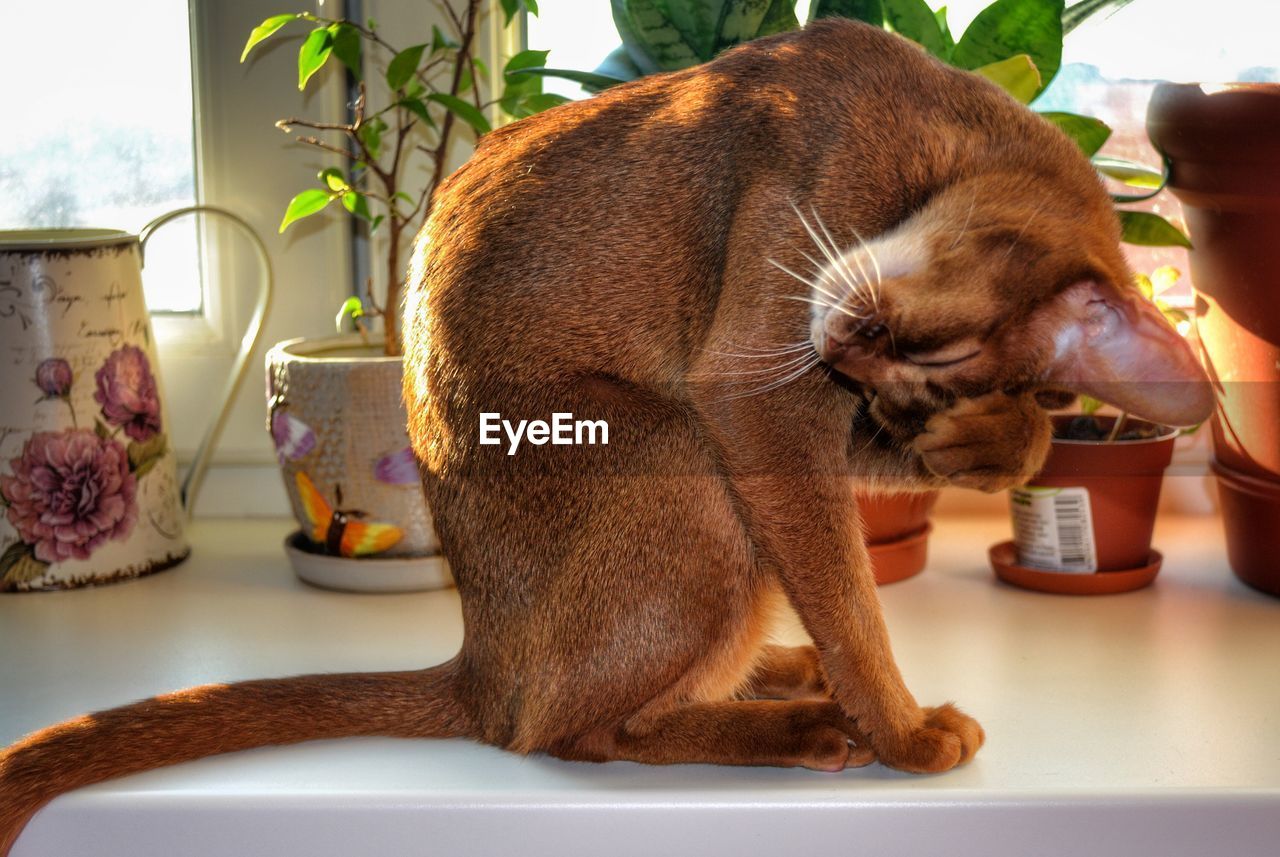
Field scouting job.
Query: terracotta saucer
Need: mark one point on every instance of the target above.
(1004, 559)
(900, 558)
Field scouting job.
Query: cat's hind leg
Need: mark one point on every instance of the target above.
(787, 672)
(780, 733)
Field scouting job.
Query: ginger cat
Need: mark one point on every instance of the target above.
(822, 260)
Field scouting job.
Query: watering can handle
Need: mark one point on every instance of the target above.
(200, 463)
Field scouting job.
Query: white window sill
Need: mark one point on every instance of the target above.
(1135, 724)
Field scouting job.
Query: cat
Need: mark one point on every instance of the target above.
(822, 261)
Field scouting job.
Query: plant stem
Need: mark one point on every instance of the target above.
(446, 126)
(1118, 426)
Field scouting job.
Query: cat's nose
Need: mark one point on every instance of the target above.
(848, 331)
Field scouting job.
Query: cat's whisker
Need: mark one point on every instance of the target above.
(852, 286)
(815, 238)
(762, 355)
(759, 354)
(783, 367)
(1022, 231)
(973, 198)
(859, 287)
(873, 289)
(781, 382)
(854, 282)
(816, 302)
(871, 440)
(813, 284)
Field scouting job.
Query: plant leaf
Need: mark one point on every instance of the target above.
(1017, 76)
(1164, 278)
(356, 203)
(526, 59)
(1132, 174)
(1089, 405)
(542, 101)
(780, 17)
(305, 204)
(1077, 14)
(654, 42)
(264, 31)
(313, 54)
(948, 42)
(346, 47)
(511, 7)
(352, 308)
(370, 134)
(915, 20)
(403, 65)
(1144, 285)
(463, 110)
(1009, 27)
(439, 41)
(333, 178)
(743, 20)
(100, 429)
(1088, 133)
(516, 85)
(870, 11)
(418, 108)
(590, 80)
(1150, 230)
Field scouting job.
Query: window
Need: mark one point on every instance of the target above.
(129, 110)
(108, 141)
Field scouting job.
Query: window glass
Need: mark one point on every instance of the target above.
(99, 128)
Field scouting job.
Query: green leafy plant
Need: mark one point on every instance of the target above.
(432, 91)
(1017, 44)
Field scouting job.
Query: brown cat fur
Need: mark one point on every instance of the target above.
(617, 259)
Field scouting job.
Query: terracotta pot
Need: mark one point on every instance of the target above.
(1250, 509)
(1223, 144)
(338, 422)
(897, 529)
(1116, 491)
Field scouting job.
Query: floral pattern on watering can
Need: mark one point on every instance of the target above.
(88, 477)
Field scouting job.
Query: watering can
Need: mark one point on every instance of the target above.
(89, 491)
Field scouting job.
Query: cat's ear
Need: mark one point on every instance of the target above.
(1115, 346)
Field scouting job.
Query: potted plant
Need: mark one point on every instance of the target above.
(335, 411)
(897, 530)
(1221, 143)
(1083, 525)
(1017, 44)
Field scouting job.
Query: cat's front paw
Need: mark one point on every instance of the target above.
(990, 443)
(949, 737)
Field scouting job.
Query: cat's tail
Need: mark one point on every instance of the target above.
(221, 718)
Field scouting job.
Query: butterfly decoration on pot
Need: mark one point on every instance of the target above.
(292, 437)
(343, 532)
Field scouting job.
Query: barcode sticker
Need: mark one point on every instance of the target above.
(1053, 528)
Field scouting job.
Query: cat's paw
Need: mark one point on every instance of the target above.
(948, 738)
(990, 443)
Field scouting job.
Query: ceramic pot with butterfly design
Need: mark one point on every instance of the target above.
(338, 425)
